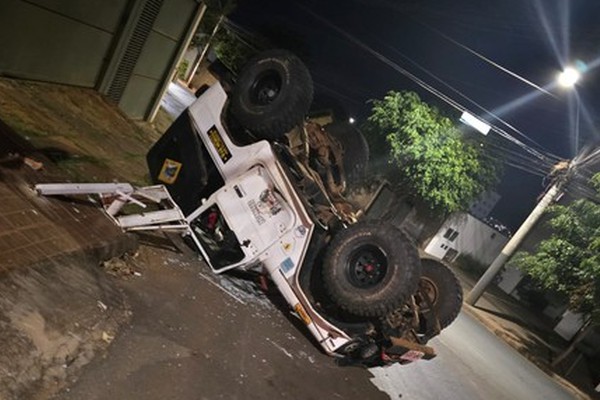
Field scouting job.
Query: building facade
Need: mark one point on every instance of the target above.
(483, 206)
(126, 49)
(464, 234)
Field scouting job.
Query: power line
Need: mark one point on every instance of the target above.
(509, 155)
(483, 58)
(422, 83)
(459, 93)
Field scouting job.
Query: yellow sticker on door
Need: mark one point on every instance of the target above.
(220, 146)
(169, 171)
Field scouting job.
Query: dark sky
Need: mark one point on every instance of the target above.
(532, 38)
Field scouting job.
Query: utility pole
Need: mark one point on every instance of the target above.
(205, 49)
(513, 243)
(567, 78)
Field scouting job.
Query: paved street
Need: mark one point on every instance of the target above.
(472, 363)
(198, 336)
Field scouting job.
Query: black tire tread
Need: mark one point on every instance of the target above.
(268, 124)
(451, 298)
(393, 298)
(356, 149)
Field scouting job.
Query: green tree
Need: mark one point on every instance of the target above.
(229, 49)
(426, 152)
(232, 52)
(568, 262)
(216, 11)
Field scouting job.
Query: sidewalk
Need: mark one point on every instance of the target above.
(531, 334)
(58, 308)
(35, 229)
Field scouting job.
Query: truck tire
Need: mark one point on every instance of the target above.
(356, 149)
(439, 283)
(272, 95)
(371, 269)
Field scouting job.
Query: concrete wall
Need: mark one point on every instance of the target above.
(509, 279)
(126, 49)
(161, 52)
(474, 238)
(64, 41)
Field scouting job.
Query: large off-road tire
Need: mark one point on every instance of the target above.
(442, 288)
(273, 94)
(356, 149)
(371, 269)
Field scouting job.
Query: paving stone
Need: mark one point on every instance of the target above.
(34, 228)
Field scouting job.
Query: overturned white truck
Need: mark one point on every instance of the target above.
(262, 188)
(255, 186)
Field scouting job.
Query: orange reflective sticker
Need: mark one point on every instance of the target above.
(302, 313)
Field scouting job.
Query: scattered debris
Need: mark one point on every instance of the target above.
(121, 267)
(283, 350)
(102, 306)
(108, 338)
(33, 164)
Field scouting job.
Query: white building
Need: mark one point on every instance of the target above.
(482, 207)
(462, 233)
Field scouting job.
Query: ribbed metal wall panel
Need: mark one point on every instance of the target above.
(134, 48)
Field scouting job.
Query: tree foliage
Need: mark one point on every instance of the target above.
(215, 9)
(230, 50)
(428, 153)
(568, 262)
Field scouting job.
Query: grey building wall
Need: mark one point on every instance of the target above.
(161, 50)
(64, 41)
(126, 49)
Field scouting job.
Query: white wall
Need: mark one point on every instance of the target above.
(509, 279)
(569, 325)
(474, 238)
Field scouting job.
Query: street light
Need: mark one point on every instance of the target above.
(568, 77)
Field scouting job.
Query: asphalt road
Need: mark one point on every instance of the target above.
(194, 335)
(472, 363)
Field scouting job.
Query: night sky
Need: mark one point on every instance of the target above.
(533, 39)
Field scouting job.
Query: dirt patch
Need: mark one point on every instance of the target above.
(88, 137)
(54, 318)
(56, 315)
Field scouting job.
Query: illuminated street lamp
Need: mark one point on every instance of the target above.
(568, 77)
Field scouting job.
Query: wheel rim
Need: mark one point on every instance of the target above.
(428, 288)
(266, 88)
(367, 267)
